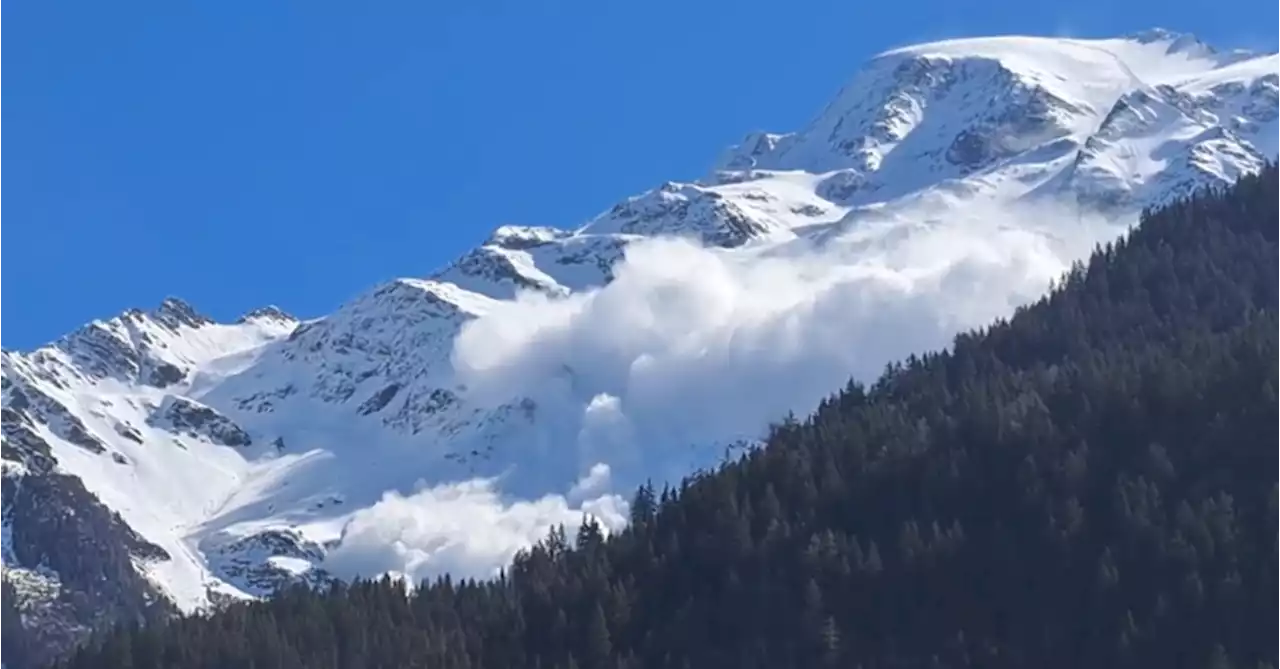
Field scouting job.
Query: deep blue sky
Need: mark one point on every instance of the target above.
(240, 153)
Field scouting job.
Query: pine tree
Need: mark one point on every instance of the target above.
(597, 646)
(11, 622)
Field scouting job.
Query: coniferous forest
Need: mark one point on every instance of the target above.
(1092, 483)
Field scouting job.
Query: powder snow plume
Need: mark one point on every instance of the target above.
(465, 529)
(690, 344)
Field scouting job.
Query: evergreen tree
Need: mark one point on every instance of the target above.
(14, 652)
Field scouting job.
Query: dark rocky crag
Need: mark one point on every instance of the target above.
(71, 563)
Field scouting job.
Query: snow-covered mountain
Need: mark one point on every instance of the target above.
(159, 460)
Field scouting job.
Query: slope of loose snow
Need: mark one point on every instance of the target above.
(440, 424)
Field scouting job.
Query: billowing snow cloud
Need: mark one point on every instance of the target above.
(690, 348)
(466, 529)
(690, 345)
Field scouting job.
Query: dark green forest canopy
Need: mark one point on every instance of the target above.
(1091, 483)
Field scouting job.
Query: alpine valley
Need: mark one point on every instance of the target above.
(158, 461)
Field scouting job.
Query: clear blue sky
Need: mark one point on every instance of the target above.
(241, 153)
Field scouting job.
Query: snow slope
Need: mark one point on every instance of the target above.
(439, 424)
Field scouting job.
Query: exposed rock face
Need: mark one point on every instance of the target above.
(264, 562)
(270, 313)
(28, 406)
(188, 416)
(23, 450)
(164, 374)
(841, 186)
(676, 209)
(378, 400)
(175, 313)
(85, 576)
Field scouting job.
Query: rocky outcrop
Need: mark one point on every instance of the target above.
(175, 313)
(69, 563)
(187, 416)
(264, 562)
(269, 312)
(378, 400)
(22, 449)
(682, 210)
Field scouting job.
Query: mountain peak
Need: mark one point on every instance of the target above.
(174, 312)
(1155, 34)
(269, 312)
(520, 237)
(1178, 42)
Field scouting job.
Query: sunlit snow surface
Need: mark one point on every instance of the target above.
(441, 424)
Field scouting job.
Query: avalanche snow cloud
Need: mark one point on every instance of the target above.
(465, 529)
(691, 346)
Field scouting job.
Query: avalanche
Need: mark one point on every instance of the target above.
(440, 424)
